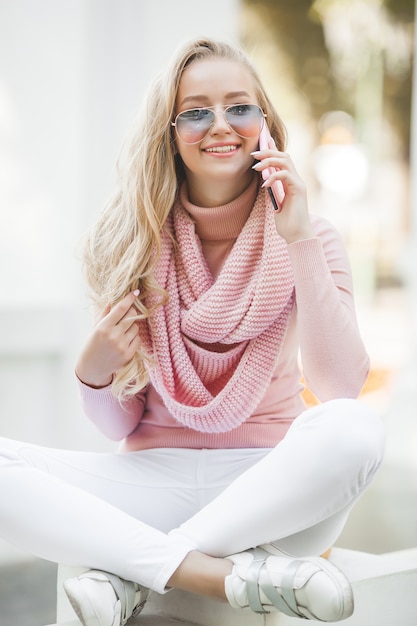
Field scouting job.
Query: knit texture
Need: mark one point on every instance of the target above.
(216, 342)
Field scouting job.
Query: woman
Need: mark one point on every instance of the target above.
(224, 485)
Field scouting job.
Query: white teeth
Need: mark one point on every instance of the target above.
(222, 149)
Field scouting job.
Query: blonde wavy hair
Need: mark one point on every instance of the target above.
(124, 245)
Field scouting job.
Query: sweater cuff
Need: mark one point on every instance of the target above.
(307, 258)
(103, 395)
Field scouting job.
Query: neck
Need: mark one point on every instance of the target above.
(217, 193)
(223, 221)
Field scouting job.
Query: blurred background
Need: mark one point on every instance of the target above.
(72, 76)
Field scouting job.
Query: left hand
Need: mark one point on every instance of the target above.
(293, 221)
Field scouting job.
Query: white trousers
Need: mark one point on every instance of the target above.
(138, 514)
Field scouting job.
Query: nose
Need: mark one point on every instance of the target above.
(219, 126)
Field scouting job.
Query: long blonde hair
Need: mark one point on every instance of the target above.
(123, 247)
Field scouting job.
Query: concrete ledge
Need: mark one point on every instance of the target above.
(385, 589)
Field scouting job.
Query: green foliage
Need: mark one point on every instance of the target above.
(297, 28)
(300, 37)
(401, 9)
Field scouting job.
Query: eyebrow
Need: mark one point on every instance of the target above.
(229, 96)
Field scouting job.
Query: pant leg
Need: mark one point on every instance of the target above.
(303, 486)
(78, 508)
(110, 511)
(299, 493)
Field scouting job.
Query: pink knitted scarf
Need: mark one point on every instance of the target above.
(216, 342)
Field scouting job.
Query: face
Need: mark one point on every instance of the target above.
(222, 157)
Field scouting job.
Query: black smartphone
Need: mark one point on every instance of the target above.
(276, 191)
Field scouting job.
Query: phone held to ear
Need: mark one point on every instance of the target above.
(276, 191)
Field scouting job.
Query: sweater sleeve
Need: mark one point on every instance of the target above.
(334, 359)
(114, 419)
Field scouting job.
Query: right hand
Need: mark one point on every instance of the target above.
(111, 345)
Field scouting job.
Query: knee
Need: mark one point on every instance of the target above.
(360, 422)
(360, 434)
(351, 430)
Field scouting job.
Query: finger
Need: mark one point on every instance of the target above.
(282, 175)
(132, 333)
(103, 313)
(134, 344)
(279, 160)
(268, 152)
(131, 350)
(128, 320)
(120, 309)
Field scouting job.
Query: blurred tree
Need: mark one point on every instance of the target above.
(398, 83)
(343, 54)
(401, 9)
(299, 36)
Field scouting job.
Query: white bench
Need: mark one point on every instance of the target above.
(385, 589)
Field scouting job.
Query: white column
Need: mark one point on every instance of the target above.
(401, 414)
(412, 246)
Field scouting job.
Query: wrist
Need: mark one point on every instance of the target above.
(96, 384)
(301, 235)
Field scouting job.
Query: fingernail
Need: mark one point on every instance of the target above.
(136, 292)
(256, 152)
(256, 166)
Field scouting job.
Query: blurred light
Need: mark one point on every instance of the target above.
(340, 163)
(342, 169)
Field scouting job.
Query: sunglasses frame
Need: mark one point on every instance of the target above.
(225, 107)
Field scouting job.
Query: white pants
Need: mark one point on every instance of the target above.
(138, 514)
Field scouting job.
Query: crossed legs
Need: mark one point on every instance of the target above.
(167, 517)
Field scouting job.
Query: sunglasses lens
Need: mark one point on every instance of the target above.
(192, 126)
(245, 119)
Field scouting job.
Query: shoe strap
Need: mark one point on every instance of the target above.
(252, 585)
(126, 592)
(258, 579)
(284, 600)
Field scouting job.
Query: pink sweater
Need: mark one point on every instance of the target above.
(322, 332)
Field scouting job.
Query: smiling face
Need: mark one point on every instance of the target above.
(218, 168)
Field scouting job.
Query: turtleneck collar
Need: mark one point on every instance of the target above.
(225, 221)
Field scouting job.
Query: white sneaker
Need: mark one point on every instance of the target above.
(310, 588)
(103, 599)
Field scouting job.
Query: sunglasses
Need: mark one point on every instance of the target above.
(246, 120)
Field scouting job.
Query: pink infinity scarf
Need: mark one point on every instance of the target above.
(246, 308)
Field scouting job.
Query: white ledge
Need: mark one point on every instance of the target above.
(384, 585)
